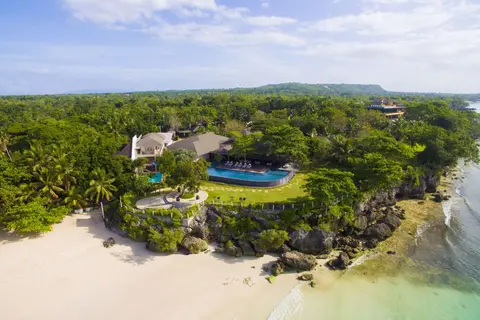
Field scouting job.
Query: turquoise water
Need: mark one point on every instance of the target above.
(271, 175)
(156, 178)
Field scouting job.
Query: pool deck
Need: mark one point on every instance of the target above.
(253, 169)
(171, 199)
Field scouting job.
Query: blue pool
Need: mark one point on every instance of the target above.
(156, 178)
(271, 175)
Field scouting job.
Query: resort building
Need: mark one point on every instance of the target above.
(204, 145)
(148, 146)
(389, 108)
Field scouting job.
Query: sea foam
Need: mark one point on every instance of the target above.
(290, 306)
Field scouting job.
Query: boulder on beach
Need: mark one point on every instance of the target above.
(277, 268)
(233, 251)
(312, 242)
(392, 221)
(247, 248)
(109, 242)
(194, 245)
(340, 263)
(305, 277)
(379, 231)
(371, 244)
(298, 261)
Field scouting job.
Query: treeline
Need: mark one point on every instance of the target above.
(57, 152)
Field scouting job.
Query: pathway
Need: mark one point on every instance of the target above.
(171, 198)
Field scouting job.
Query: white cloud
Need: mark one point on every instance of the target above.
(271, 21)
(127, 11)
(265, 4)
(424, 45)
(202, 21)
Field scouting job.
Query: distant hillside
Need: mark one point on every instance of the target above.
(294, 88)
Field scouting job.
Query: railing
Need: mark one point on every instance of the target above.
(258, 184)
(268, 207)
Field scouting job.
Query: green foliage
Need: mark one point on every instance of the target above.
(272, 239)
(49, 145)
(33, 217)
(374, 172)
(240, 227)
(287, 142)
(167, 240)
(183, 170)
(101, 186)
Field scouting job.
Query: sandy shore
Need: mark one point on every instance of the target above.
(68, 274)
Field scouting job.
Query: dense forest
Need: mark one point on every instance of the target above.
(57, 153)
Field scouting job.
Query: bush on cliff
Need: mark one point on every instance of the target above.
(272, 239)
(166, 241)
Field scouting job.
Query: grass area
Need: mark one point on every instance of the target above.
(290, 192)
(187, 196)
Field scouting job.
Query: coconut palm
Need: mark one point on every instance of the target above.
(66, 172)
(101, 186)
(75, 198)
(342, 149)
(37, 156)
(48, 183)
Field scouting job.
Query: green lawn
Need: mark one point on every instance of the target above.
(290, 192)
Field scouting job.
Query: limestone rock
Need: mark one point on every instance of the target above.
(278, 268)
(109, 242)
(340, 263)
(305, 277)
(312, 242)
(298, 261)
(247, 248)
(194, 245)
(372, 243)
(361, 223)
(233, 251)
(379, 231)
(392, 221)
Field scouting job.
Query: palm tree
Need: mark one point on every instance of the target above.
(342, 149)
(37, 156)
(4, 142)
(66, 172)
(101, 186)
(26, 193)
(75, 198)
(48, 183)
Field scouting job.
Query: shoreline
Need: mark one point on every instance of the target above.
(211, 285)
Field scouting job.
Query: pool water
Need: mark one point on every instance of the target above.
(156, 178)
(270, 175)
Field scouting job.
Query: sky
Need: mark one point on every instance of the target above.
(62, 46)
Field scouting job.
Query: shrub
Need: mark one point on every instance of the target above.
(166, 241)
(272, 239)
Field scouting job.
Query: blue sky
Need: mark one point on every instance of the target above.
(59, 46)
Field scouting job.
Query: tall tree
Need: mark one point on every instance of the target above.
(4, 143)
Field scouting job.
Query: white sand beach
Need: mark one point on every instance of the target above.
(68, 274)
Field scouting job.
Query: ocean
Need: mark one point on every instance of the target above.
(440, 281)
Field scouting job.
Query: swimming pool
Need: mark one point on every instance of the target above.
(268, 179)
(156, 178)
